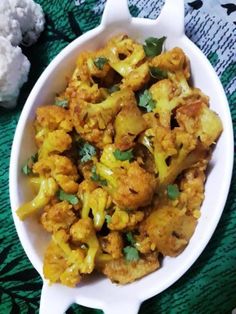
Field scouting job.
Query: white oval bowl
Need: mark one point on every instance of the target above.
(99, 292)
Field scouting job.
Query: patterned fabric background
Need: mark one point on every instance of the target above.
(210, 285)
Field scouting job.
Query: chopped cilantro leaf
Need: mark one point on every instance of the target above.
(27, 167)
(153, 46)
(100, 62)
(158, 73)
(126, 155)
(130, 238)
(96, 177)
(62, 103)
(146, 101)
(71, 198)
(108, 219)
(87, 151)
(131, 253)
(172, 191)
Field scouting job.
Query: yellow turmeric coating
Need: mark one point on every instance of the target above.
(125, 220)
(127, 58)
(112, 244)
(55, 142)
(61, 169)
(169, 229)
(58, 216)
(83, 231)
(50, 118)
(48, 188)
(122, 158)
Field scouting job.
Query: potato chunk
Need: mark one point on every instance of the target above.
(124, 272)
(169, 229)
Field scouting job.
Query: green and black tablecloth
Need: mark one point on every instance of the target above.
(210, 284)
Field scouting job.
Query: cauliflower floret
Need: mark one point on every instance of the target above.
(55, 142)
(172, 61)
(112, 244)
(143, 243)
(176, 63)
(128, 59)
(99, 201)
(61, 263)
(122, 219)
(85, 189)
(14, 69)
(169, 228)
(123, 272)
(83, 231)
(128, 124)
(173, 150)
(121, 180)
(9, 27)
(95, 199)
(57, 216)
(189, 151)
(31, 18)
(94, 122)
(66, 265)
(61, 169)
(22, 21)
(48, 188)
(86, 91)
(197, 119)
(122, 184)
(119, 220)
(164, 94)
(137, 78)
(54, 263)
(192, 188)
(51, 118)
(93, 64)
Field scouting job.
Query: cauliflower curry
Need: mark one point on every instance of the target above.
(121, 162)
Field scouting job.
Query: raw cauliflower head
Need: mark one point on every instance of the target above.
(14, 69)
(9, 27)
(21, 21)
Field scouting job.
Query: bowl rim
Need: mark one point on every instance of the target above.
(14, 166)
